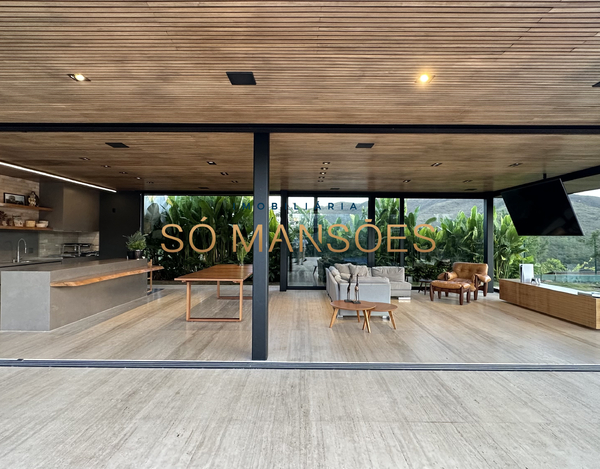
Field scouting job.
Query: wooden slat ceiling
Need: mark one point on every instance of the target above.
(166, 162)
(350, 62)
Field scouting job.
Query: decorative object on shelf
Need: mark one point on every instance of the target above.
(14, 199)
(42, 224)
(29, 223)
(3, 218)
(33, 199)
(136, 243)
(18, 221)
(10, 221)
(356, 288)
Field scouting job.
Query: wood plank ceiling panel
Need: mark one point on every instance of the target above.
(179, 162)
(348, 62)
(335, 62)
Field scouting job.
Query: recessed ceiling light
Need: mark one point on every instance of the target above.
(467, 180)
(322, 173)
(42, 173)
(436, 164)
(406, 180)
(324, 169)
(78, 77)
(105, 166)
(235, 182)
(424, 78)
(514, 165)
(150, 182)
(122, 172)
(211, 162)
(326, 162)
(241, 78)
(224, 173)
(364, 145)
(597, 85)
(334, 189)
(116, 145)
(202, 187)
(84, 158)
(138, 178)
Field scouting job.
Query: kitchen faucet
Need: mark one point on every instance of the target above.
(19, 249)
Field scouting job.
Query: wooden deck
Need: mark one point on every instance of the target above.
(485, 331)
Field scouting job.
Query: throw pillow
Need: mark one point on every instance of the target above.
(334, 271)
(343, 268)
(345, 276)
(361, 270)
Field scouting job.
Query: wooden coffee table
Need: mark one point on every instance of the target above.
(383, 308)
(363, 306)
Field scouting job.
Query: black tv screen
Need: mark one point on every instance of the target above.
(542, 209)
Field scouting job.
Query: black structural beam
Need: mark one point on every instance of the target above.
(283, 265)
(370, 231)
(488, 238)
(302, 128)
(260, 277)
(402, 241)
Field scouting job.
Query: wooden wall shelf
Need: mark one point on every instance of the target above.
(25, 207)
(24, 228)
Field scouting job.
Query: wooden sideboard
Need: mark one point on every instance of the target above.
(580, 309)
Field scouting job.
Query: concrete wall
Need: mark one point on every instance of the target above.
(120, 215)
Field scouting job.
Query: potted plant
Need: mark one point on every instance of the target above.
(241, 253)
(136, 243)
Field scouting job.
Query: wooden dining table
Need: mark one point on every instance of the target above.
(217, 273)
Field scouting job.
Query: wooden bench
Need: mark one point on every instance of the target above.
(80, 281)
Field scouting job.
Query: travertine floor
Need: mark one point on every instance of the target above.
(485, 331)
(99, 418)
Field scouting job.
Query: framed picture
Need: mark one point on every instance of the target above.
(14, 199)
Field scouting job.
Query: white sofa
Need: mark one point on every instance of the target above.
(377, 284)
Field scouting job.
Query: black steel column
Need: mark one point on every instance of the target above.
(488, 237)
(371, 231)
(283, 268)
(260, 278)
(401, 222)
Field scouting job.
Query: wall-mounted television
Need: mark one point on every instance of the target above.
(542, 209)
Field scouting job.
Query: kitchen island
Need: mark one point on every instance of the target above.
(42, 297)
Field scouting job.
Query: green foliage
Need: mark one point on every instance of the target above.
(429, 270)
(136, 241)
(219, 212)
(551, 266)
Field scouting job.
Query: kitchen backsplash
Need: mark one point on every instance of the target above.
(50, 243)
(39, 243)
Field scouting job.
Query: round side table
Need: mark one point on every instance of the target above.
(363, 306)
(384, 308)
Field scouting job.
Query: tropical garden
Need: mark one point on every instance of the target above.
(458, 238)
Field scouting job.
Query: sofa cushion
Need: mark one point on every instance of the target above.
(361, 270)
(395, 274)
(400, 285)
(343, 268)
(345, 277)
(334, 271)
(371, 280)
(339, 279)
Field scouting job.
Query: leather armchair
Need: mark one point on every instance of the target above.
(469, 272)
